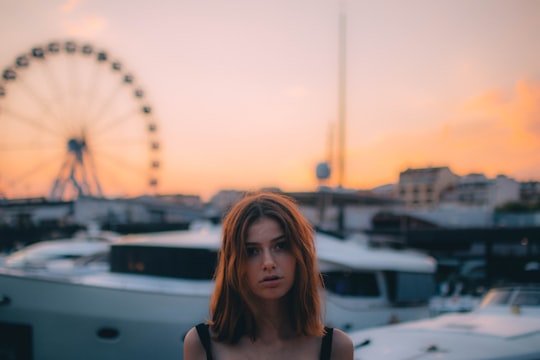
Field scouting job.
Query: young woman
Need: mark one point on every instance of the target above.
(266, 303)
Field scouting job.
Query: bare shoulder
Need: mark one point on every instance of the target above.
(193, 348)
(342, 346)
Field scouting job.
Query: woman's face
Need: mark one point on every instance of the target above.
(270, 262)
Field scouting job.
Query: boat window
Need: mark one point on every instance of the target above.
(349, 283)
(66, 257)
(527, 298)
(185, 263)
(496, 297)
(101, 257)
(409, 288)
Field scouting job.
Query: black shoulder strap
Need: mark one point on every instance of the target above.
(326, 346)
(204, 335)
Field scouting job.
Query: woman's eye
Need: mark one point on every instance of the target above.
(281, 245)
(252, 251)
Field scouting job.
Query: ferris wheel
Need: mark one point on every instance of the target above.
(74, 122)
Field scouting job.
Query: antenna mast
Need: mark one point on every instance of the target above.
(342, 94)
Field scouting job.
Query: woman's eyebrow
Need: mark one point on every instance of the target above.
(277, 238)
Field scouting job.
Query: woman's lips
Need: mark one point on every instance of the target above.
(271, 281)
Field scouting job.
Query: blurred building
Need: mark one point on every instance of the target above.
(35, 219)
(477, 190)
(423, 187)
(223, 200)
(529, 192)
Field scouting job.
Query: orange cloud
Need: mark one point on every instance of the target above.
(87, 27)
(518, 112)
(69, 5)
(494, 133)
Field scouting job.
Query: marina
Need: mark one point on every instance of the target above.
(158, 286)
(108, 250)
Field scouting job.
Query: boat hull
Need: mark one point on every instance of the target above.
(76, 321)
(505, 326)
(350, 314)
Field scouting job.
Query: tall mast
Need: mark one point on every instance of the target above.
(342, 94)
(330, 145)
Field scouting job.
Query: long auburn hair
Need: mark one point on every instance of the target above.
(232, 306)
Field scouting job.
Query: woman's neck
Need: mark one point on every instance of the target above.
(273, 321)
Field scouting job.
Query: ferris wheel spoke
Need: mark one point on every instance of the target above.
(32, 170)
(43, 103)
(52, 80)
(114, 179)
(122, 163)
(68, 93)
(120, 174)
(22, 147)
(109, 102)
(77, 104)
(92, 91)
(56, 88)
(72, 105)
(115, 122)
(110, 147)
(94, 173)
(32, 122)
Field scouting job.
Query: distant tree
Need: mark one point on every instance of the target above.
(518, 207)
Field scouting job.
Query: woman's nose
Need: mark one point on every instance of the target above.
(268, 260)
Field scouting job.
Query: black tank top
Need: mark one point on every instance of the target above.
(204, 336)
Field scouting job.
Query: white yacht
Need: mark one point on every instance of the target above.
(370, 286)
(64, 256)
(506, 326)
(158, 286)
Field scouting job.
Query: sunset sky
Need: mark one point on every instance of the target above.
(245, 92)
